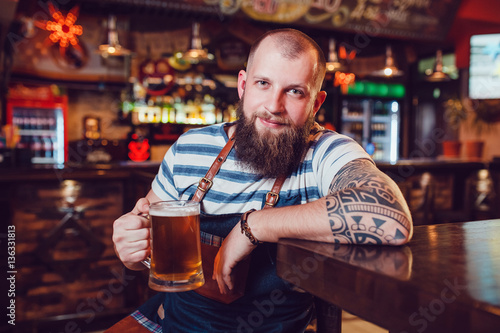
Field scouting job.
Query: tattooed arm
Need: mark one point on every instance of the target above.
(363, 206)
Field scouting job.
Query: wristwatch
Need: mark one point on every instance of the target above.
(245, 229)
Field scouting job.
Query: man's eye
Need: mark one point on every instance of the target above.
(261, 83)
(296, 91)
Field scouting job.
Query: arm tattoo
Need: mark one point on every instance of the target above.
(365, 206)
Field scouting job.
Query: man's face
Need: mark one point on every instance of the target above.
(276, 111)
(270, 154)
(280, 92)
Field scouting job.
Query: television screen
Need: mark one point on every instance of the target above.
(484, 68)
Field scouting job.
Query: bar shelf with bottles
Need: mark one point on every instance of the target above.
(185, 106)
(41, 128)
(192, 100)
(174, 110)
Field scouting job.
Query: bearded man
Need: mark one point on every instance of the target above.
(329, 190)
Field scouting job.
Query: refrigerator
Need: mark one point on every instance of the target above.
(374, 123)
(41, 124)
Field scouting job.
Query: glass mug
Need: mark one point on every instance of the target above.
(175, 263)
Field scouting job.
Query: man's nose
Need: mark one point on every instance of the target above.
(275, 102)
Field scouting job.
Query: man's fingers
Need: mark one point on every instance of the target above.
(218, 273)
(132, 221)
(135, 256)
(141, 207)
(222, 285)
(228, 280)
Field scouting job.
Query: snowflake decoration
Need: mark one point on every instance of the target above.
(63, 29)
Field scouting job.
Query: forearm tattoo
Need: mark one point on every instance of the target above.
(365, 207)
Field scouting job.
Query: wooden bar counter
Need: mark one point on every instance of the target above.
(446, 279)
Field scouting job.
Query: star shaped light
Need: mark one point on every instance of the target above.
(64, 30)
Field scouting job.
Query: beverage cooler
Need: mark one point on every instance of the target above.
(374, 121)
(41, 124)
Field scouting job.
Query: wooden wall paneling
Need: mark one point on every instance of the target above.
(58, 278)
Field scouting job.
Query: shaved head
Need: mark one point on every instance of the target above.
(291, 44)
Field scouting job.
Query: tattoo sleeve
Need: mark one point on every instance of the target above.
(365, 206)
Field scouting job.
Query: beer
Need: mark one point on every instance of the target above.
(175, 247)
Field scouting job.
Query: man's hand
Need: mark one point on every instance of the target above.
(235, 248)
(131, 234)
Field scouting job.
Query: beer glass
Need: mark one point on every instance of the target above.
(175, 263)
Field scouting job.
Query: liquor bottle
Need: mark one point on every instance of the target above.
(26, 121)
(18, 121)
(47, 147)
(51, 123)
(180, 112)
(55, 151)
(36, 146)
(33, 121)
(167, 113)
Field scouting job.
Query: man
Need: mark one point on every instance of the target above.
(333, 191)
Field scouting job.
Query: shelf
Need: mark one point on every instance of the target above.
(43, 160)
(353, 118)
(381, 119)
(37, 132)
(381, 139)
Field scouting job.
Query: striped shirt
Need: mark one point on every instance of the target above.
(237, 189)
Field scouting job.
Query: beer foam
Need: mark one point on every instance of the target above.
(173, 211)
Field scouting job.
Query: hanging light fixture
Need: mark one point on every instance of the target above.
(390, 68)
(333, 63)
(196, 53)
(438, 75)
(113, 48)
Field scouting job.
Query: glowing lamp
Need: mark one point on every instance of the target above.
(63, 29)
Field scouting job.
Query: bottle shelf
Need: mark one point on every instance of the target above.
(43, 160)
(353, 118)
(37, 132)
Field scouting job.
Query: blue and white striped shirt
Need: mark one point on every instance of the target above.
(236, 189)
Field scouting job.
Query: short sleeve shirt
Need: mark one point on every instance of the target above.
(236, 188)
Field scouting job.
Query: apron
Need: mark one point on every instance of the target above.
(269, 304)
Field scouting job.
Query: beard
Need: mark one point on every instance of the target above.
(269, 154)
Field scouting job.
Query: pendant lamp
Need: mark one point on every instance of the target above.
(113, 47)
(196, 53)
(390, 68)
(333, 63)
(438, 75)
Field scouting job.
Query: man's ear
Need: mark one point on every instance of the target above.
(242, 79)
(320, 98)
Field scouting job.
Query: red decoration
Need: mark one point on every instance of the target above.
(343, 80)
(138, 150)
(343, 54)
(64, 30)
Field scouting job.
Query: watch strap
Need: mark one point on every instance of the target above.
(245, 228)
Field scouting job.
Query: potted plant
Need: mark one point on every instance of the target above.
(454, 114)
(482, 115)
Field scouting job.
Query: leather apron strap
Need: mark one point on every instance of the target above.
(206, 182)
